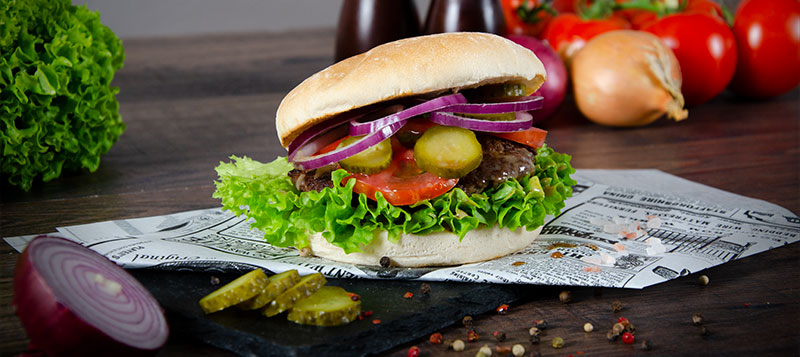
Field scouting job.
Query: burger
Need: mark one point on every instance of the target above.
(419, 152)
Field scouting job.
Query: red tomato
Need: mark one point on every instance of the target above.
(707, 7)
(526, 17)
(533, 137)
(705, 49)
(567, 33)
(768, 38)
(562, 6)
(402, 183)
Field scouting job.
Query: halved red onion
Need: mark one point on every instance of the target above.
(522, 121)
(523, 105)
(73, 301)
(363, 128)
(316, 161)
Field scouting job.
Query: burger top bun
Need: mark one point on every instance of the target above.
(407, 67)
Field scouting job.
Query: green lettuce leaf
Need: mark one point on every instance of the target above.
(287, 217)
(57, 108)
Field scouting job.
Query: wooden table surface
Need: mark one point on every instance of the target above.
(191, 102)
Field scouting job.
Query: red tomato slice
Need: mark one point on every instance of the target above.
(533, 137)
(402, 183)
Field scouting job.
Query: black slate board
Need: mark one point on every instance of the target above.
(249, 333)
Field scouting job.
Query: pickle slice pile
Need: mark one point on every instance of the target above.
(241, 289)
(448, 151)
(277, 284)
(370, 161)
(305, 287)
(329, 306)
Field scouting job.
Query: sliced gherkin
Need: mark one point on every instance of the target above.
(370, 161)
(241, 289)
(306, 286)
(492, 117)
(448, 151)
(277, 284)
(499, 90)
(329, 306)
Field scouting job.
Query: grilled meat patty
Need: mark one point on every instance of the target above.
(502, 160)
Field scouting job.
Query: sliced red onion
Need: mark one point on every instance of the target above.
(320, 141)
(316, 130)
(312, 162)
(363, 128)
(524, 105)
(522, 121)
(73, 301)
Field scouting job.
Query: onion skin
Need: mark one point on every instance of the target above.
(627, 78)
(555, 87)
(51, 327)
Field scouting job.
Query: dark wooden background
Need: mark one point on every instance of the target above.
(190, 102)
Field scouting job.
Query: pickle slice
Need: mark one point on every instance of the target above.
(329, 306)
(306, 286)
(499, 90)
(492, 117)
(448, 151)
(241, 289)
(370, 161)
(277, 284)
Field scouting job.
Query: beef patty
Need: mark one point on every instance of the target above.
(502, 160)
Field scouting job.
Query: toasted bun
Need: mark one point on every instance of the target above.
(436, 249)
(412, 66)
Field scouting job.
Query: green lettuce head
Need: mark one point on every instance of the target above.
(57, 108)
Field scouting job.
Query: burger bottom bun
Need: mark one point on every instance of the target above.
(435, 249)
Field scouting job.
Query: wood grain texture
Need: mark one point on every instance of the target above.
(190, 102)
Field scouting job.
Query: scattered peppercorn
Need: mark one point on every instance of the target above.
(630, 328)
(425, 288)
(611, 336)
(413, 351)
(354, 297)
(535, 339)
(557, 255)
(646, 345)
(214, 280)
(557, 342)
(540, 324)
(627, 338)
(502, 309)
(467, 321)
(616, 306)
(366, 313)
(499, 336)
(588, 327)
(517, 350)
(623, 321)
(376, 322)
(535, 331)
(458, 345)
(408, 295)
(703, 280)
(436, 338)
(502, 350)
(516, 264)
(472, 336)
(565, 296)
(485, 350)
(704, 331)
(618, 328)
(306, 252)
(385, 262)
(697, 318)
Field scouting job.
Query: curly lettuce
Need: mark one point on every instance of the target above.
(57, 108)
(265, 193)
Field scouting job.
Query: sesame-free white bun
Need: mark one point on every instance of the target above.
(436, 249)
(412, 66)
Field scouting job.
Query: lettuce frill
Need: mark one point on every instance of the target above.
(265, 193)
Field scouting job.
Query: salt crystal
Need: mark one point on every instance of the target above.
(619, 247)
(612, 228)
(653, 223)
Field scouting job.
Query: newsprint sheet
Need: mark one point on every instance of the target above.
(621, 228)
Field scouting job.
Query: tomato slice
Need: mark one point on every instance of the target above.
(533, 137)
(402, 183)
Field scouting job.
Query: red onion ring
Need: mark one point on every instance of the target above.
(524, 105)
(312, 162)
(363, 128)
(523, 121)
(73, 301)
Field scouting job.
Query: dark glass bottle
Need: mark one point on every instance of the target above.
(465, 15)
(364, 24)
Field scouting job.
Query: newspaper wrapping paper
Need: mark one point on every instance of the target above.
(683, 227)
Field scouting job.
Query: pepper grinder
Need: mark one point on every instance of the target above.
(465, 15)
(364, 24)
